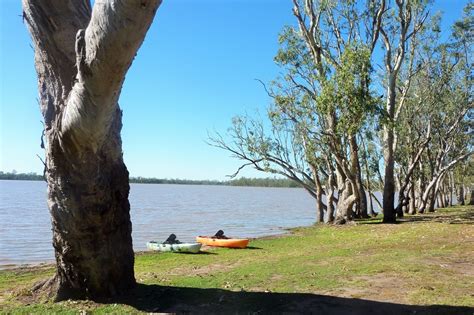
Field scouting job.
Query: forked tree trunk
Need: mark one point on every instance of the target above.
(347, 198)
(81, 58)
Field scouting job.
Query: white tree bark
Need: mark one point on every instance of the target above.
(104, 52)
(81, 58)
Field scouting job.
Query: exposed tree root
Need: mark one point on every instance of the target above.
(45, 290)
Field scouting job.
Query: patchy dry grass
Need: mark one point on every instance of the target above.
(358, 268)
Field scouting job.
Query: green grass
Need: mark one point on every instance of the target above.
(425, 260)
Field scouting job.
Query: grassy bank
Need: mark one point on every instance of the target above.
(424, 264)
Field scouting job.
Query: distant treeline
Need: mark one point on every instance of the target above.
(20, 176)
(262, 182)
(243, 181)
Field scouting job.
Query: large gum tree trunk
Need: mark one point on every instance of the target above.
(347, 199)
(81, 58)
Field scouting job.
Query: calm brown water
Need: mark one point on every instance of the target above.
(157, 211)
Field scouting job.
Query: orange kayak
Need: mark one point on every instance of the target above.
(230, 242)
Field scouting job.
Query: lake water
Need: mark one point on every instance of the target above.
(156, 211)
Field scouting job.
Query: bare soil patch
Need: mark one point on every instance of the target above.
(380, 287)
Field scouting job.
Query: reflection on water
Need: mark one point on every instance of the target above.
(157, 211)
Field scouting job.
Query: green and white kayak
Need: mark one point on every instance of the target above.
(178, 248)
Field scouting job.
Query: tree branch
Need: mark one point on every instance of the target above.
(53, 25)
(105, 51)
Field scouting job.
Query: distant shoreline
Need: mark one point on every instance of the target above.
(242, 181)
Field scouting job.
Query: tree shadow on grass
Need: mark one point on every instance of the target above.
(248, 247)
(154, 298)
(201, 252)
(210, 248)
(253, 247)
(452, 217)
(465, 218)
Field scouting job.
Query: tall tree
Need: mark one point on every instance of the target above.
(453, 109)
(401, 22)
(81, 57)
(320, 104)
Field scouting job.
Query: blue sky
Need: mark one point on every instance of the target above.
(194, 72)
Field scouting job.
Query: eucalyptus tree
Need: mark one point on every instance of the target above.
(401, 21)
(433, 128)
(418, 97)
(452, 143)
(320, 105)
(81, 57)
(463, 34)
(453, 110)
